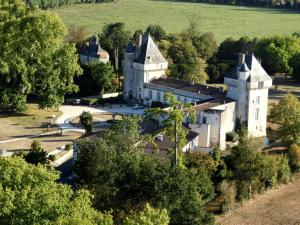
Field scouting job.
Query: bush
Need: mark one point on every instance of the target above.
(232, 136)
(294, 157)
(284, 170)
(89, 101)
(112, 100)
(228, 191)
(68, 147)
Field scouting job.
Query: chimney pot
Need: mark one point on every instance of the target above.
(241, 58)
(138, 44)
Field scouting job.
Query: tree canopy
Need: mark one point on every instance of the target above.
(287, 114)
(104, 76)
(35, 58)
(30, 195)
(122, 177)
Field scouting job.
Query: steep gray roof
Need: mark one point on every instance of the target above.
(93, 49)
(149, 52)
(257, 72)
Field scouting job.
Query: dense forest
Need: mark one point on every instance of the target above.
(46, 4)
(290, 4)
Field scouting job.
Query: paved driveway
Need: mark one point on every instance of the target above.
(71, 111)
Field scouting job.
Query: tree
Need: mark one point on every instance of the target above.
(173, 123)
(30, 195)
(276, 53)
(230, 48)
(78, 35)
(115, 38)
(121, 178)
(287, 114)
(295, 62)
(206, 45)
(35, 59)
(36, 155)
(157, 32)
(186, 64)
(86, 120)
(254, 171)
(148, 216)
(104, 76)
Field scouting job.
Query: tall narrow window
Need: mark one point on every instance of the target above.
(158, 96)
(204, 120)
(257, 99)
(256, 114)
(150, 94)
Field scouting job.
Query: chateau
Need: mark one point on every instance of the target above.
(217, 110)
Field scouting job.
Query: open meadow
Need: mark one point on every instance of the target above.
(277, 206)
(224, 21)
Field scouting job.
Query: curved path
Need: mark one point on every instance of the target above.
(71, 111)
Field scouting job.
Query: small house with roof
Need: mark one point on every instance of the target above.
(92, 52)
(217, 110)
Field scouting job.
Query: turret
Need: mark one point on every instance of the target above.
(248, 84)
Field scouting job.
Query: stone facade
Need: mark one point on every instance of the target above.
(246, 97)
(143, 63)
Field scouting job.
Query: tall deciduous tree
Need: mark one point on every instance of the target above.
(287, 114)
(186, 64)
(115, 38)
(30, 195)
(277, 52)
(35, 58)
(157, 32)
(173, 123)
(104, 76)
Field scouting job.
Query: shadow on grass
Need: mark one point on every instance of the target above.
(11, 114)
(62, 140)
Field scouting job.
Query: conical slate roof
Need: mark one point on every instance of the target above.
(257, 72)
(149, 52)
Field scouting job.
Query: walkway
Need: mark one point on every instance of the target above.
(71, 111)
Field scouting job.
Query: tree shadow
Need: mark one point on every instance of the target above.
(13, 114)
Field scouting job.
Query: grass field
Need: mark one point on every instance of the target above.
(173, 16)
(277, 206)
(32, 122)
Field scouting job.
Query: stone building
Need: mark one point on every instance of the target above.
(217, 110)
(92, 52)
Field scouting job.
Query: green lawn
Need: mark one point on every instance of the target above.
(224, 21)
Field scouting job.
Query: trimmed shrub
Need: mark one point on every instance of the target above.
(68, 147)
(89, 101)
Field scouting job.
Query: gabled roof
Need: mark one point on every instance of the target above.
(149, 52)
(250, 64)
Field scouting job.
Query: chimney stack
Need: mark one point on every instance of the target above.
(241, 58)
(138, 44)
